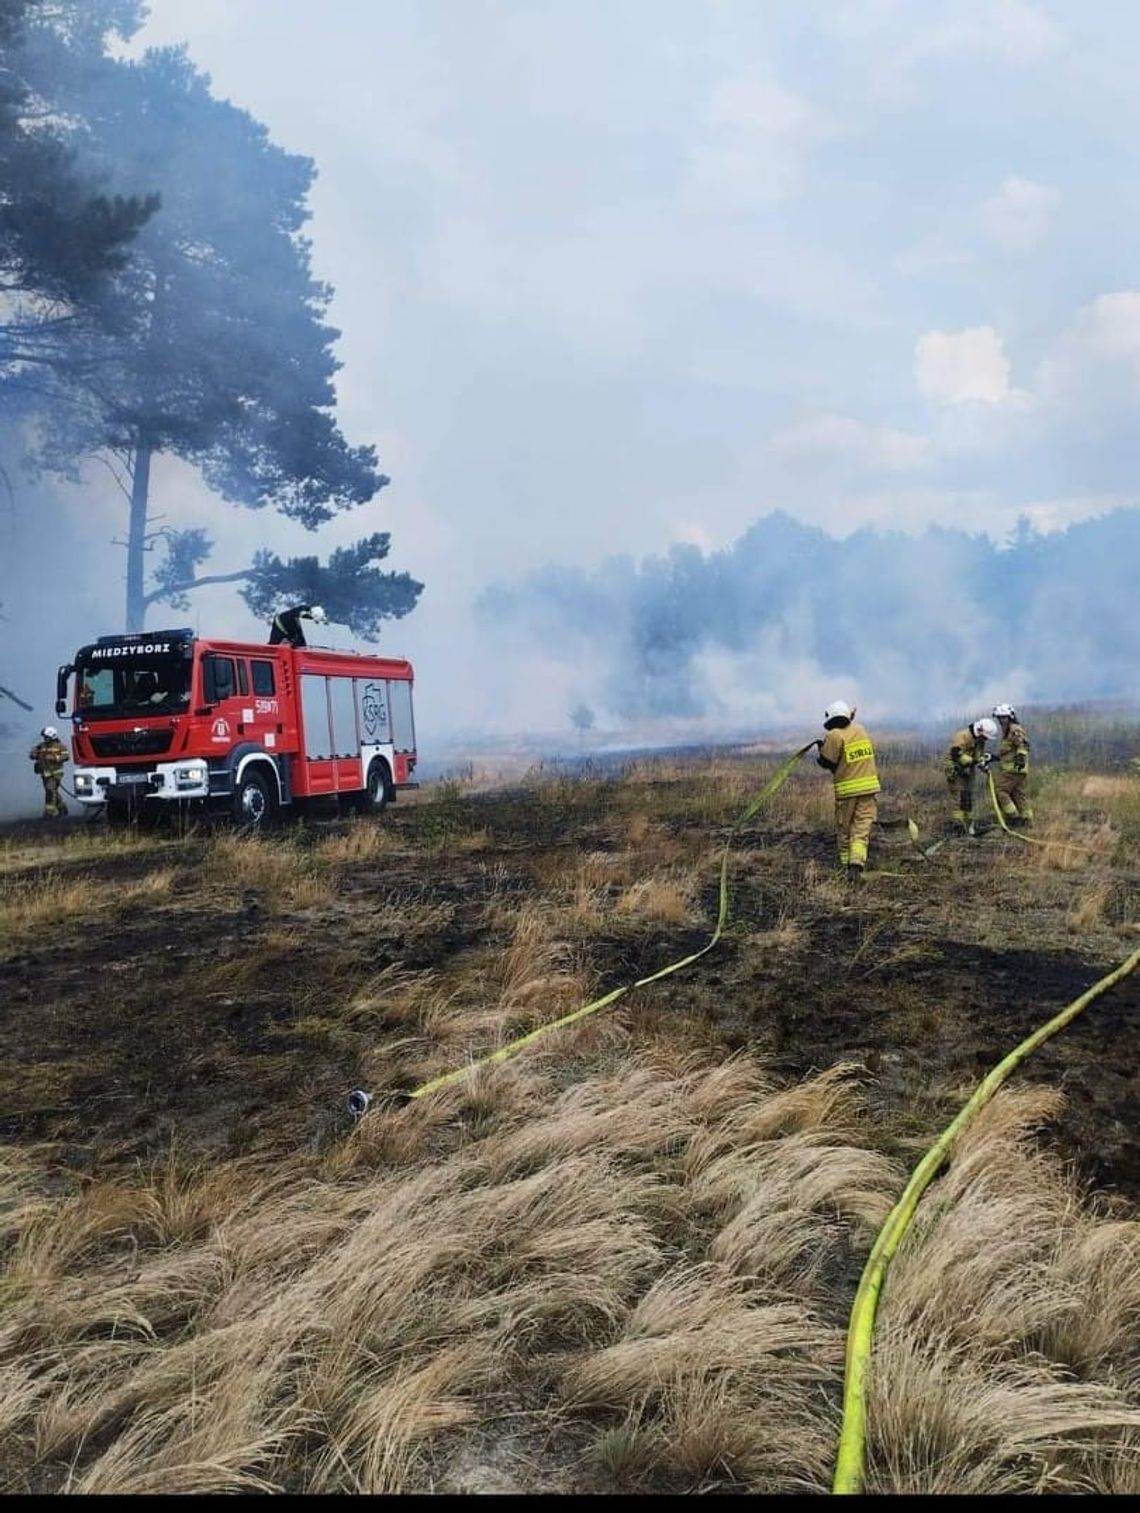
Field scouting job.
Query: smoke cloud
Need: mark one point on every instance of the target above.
(787, 618)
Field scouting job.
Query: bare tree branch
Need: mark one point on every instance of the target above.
(203, 582)
(123, 488)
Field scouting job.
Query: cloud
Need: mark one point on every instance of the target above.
(839, 437)
(750, 150)
(960, 367)
(1014, 31)
(1018, 216)
(1112, 326)
(1104, 336)
(898, 48)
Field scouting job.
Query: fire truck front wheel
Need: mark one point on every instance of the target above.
(254, 802)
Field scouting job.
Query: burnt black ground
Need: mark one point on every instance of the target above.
(113, 1048)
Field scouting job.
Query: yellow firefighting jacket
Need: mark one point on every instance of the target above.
(1014, 750)
(966, 751)
(49, 758)
(850, 758)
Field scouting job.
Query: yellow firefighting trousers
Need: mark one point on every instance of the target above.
(961, 787)
(853, 820)
(53, 799)
(1013, 795)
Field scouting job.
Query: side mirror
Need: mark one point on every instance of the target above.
(61, 677)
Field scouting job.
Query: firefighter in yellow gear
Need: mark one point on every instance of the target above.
(1012, 781)
(966, 757)
(49, 757)
(847, 753)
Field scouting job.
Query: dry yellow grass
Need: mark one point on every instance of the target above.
(44, 904)
(808, 803)
(532, 975)
(624, 1258)
(371, 1319)
(31, 906)
(713, 1369)
(536, 975)
(365, 840)
(589, 906)
(640, 828)
(1066, 846)
(666, 898)
(672, 1234)
(273, 870)
(786, 935)
(1100, 787)
(394, 997)
(472, 841)
(243, 861)
(1005, 1358)
(152, 886)
(1089, 906)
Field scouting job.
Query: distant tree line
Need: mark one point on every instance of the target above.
(156, 297)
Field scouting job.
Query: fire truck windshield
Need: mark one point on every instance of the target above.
(159, 685)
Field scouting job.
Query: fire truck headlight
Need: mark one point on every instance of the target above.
(84, 783)
(190, 777)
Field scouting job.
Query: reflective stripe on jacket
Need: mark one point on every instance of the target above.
(851, 757)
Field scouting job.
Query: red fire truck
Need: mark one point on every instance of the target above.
(164, 717)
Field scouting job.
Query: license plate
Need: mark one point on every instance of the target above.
(133, 777)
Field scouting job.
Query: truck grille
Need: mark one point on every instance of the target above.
(132, 743)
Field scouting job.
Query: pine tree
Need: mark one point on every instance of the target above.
(220, 353)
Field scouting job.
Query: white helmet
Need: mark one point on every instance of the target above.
(1004, 712)
(837, 711)
(987, 728)
(318, 616)
(50, 733)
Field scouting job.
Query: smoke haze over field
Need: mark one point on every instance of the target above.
(911, 626)
(654, 311)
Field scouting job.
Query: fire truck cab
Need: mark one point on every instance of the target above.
(164, 717)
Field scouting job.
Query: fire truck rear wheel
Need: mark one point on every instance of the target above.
(253, 800)
(376, 791)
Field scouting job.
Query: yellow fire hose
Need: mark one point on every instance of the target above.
(926, 852)
(774, 783)
(849, 1464)
(1030, 840)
